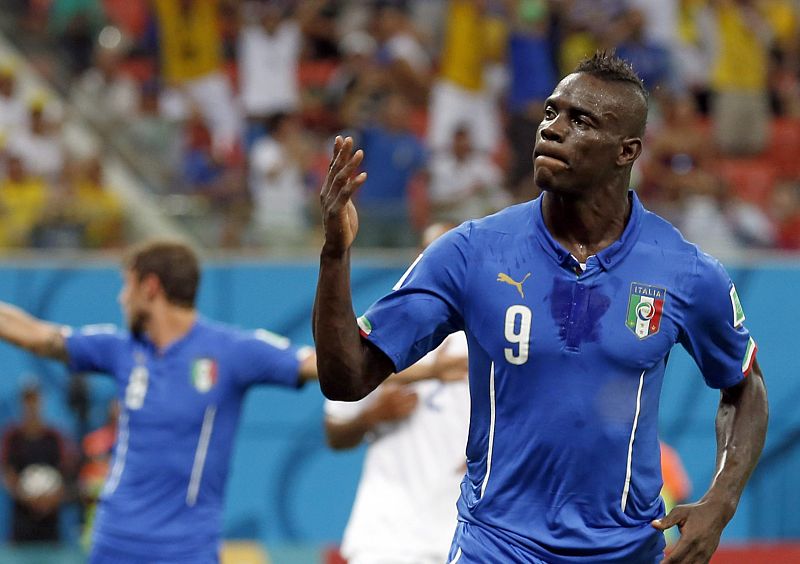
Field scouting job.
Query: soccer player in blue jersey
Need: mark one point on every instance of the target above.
(571, 304)
(182, 379)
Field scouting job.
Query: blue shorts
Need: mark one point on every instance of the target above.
(106, 555)
(475, 545)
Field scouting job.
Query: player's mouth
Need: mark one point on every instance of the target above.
(549, 158)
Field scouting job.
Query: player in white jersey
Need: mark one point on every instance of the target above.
(405, 507)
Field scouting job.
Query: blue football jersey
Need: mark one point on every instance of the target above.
(179, 412)
(566, 367)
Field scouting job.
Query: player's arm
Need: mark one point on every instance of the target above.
(445, 367)
(741, 425)
(39, 337)
(348, 367)
(394, 403)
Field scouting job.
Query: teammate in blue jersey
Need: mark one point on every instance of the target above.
(182, 380)
(571, 304)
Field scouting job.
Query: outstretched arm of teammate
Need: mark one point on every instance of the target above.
(741, 429)
(395, 402)
(39, 337)
(348, 367)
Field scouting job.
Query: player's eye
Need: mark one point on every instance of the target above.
(549, 113)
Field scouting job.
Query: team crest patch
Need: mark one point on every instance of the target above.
(645, 306)
(204, 374)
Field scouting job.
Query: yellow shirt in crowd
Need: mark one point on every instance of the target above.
(22, 205)
(741, 62)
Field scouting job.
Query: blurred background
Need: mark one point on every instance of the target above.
(213, 120)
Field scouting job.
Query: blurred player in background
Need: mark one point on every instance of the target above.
(37, 463)
(182, 379)
(571, 304)
(416, 425)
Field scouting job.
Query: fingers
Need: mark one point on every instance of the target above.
(340, 183)
(675, 517)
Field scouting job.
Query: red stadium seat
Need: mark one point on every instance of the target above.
(315, 74)
(784, 148)
(751, 179)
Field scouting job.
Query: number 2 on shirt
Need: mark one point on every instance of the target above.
(518, 332)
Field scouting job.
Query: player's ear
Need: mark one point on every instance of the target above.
(629, 151)
(152, 285)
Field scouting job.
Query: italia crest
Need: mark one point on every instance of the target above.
(204, 374)
(645, 306)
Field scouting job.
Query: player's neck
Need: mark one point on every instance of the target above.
(169, 324)
(585, 226)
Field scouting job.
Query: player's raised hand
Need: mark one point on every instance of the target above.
(700, 525)
(339, 217)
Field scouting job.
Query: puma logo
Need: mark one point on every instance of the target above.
(503, 277)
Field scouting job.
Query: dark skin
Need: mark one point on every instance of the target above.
(587, 143)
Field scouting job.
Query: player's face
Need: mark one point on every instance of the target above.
(579, 139)
(133, 301)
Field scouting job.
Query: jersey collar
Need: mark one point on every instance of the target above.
(609, 256)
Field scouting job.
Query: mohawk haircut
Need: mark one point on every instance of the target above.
(605, 65)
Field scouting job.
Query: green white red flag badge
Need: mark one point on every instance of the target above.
(645, 307)
(204, 374)
(364, 326)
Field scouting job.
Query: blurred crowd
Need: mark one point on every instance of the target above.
(227, 109)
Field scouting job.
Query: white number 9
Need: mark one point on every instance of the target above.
(518, 332)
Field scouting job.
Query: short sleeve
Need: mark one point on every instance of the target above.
(94, 348)
(262, 357)
(344, 411)
(714, 333)
(425, 305)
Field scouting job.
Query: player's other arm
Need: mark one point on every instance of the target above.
(741, 425)
(395, 402)
(348, 368)
(25, 331)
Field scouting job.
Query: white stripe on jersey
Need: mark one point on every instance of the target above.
(407, 272)
(200, 455)
(491, 430)
(627, 486)
(457, 557)
(119, 455)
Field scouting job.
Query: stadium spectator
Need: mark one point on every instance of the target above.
(415, 426)
(651, 60)
(278, 163)
(400, 53)
(13, 110)
(464, 182)
(357, 87)
(270, 45)
(679, 156)
(191, 63)
(181, 383)
(97, 206)
(532, 77)
(394, 157)
(23, 198)
(548, 358)
(76, 25)
(40, 146)
(110, 94)
(460, 94)
(36, 470)
(741, 38)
